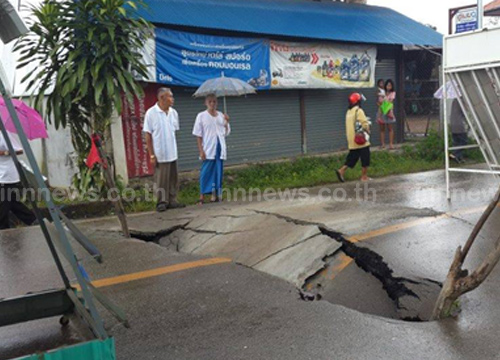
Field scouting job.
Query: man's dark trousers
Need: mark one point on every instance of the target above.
(10, 195)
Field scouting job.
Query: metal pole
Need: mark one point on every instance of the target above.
(446, 136)
(451, 14)
(476, 171)
(480, 14)
(497, 79)
(224, 97)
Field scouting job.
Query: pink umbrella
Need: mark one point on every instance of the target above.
(31, 121)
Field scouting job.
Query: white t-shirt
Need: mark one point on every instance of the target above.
(8, 171)
(211, 128)
(162, 127)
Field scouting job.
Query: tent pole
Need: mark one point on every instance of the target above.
(445, 128)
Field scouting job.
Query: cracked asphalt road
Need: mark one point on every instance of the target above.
(229, 311)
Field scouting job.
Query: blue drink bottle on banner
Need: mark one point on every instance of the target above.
(354, 70)
(365, 68)
(345, 69)
(324, 69)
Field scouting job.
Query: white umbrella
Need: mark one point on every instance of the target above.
(224, 86)
(452, 91)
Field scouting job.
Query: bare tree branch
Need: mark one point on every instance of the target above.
(458, 282)
(479, 225)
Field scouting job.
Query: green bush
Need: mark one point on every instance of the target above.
(431, 148)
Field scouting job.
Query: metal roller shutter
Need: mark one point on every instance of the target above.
(325, 112)
(264, 126)
(188, 108)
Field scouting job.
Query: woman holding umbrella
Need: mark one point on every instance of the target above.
(211, 128)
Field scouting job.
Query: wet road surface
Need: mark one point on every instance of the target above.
(229, 311)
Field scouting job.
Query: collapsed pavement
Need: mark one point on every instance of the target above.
(266, 237)
(283, 238)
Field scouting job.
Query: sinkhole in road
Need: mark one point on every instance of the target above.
(154, 236)
(370, 286)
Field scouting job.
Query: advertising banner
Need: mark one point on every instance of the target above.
(317, 66)
(188, 59)
(138, 163)
(466, 20)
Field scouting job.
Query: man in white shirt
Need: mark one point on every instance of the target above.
(10, 187)
(160, 124)
(211, 128)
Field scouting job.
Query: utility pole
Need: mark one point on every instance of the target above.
(480, 14)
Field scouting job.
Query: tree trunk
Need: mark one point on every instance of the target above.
(458, 281)
(109, 177)
(118, 204)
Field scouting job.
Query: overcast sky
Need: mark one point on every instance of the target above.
(434, 12)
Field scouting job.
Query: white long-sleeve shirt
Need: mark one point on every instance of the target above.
(210, 129)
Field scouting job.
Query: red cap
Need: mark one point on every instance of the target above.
(354, 98)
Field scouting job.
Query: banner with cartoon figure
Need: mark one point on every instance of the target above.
(317, 66)
(188, 59)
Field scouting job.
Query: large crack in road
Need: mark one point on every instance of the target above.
(412, 298)
(155, 236)
(373, 263)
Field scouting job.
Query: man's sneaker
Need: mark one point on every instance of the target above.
(176, 205)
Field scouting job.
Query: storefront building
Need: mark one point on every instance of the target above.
(304, 58)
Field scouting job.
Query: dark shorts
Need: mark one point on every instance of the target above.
(355, 155)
